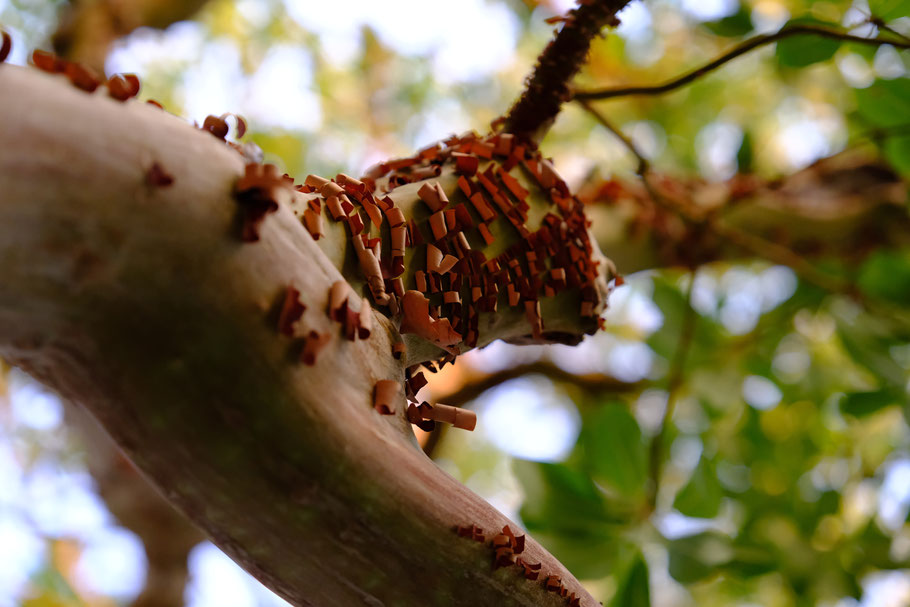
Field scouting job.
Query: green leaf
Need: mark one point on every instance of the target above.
(885, 103)
(559, 497)
(886, 275)
(732, 26)
(889, 9)
(860, 404)
(634, 590)
(805, 49)
(702, 494)
(570, 516)
(897, 151)
(614, 451)
(746, 154)
(696, 557)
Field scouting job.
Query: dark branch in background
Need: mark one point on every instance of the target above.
(472, 388)
(548, 86)
(741, 49)
(675, 379)
(714, 224)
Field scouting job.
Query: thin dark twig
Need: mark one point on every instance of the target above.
(593, 384)
(548, 86)
(675, 380)
(644, 167)
(642, 161)
(741, 49)
(754, 244)
(880, 24)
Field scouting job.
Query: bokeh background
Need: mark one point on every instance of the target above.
(737, 435)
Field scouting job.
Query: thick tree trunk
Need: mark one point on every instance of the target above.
(139, 303)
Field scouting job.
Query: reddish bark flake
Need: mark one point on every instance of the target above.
(216, 126)
(465, 186)
(416, 383)
(416, 319)
(291, 311)
(438, 225)
(486, 234)
(466, 164)
(48, 62)
(373, 212)
(395, 216)
(157, 177)
(338, 300)
(513, 185)
(312, 220)
(503, 145)
(333, 204)
(316, 182)
(531, 570)
(385, 393)
(473, 532)
(82, 77)
(122, 86)
(503, 558)
(552, 583)
(482, 206)
(482, 149)
(350, 183)
(256, 194)
(355, 222)
(5, 45)
(458, 417)
(448, 262)
(433, 195)
(313, 345)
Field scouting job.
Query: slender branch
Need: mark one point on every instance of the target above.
(674, 383)
(737, 51)
(643, 164)
(547, 88)
(594, 383)
(777, 253)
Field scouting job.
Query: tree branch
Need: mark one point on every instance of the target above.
(737, 51)
(137, 301)
(840, 207)
(548, 86)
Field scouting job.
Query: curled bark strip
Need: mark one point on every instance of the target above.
(292, 310)
(385, 394)
(123, 86)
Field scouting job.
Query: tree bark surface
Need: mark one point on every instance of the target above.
(139, 303)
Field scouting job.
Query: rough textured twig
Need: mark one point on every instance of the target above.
(737, 51)
(548, 86)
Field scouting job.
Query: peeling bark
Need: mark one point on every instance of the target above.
(138, 303)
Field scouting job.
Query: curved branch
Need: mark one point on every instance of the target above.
(737, 51)
(135, 300)
(548, 86)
